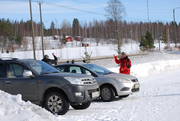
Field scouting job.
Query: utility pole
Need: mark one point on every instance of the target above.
(148, 10)
(175, 25)
(42, 29)
(174, 22)
(33, 42)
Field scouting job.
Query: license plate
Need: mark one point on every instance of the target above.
(95, 94)
(136, 86)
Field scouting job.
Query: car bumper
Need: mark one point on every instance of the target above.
(128, 88)
(136, 87)
(80, 94)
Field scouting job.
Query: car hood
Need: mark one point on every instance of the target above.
(120, 76)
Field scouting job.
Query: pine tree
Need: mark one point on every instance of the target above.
(52, 28)
(76, 27)
(150, 40)
(147, 42)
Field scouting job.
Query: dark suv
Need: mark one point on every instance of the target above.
(42, 84)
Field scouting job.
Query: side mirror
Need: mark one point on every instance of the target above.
(27, 73)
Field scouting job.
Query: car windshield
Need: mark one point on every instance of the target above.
(98, 69)
(41, 67)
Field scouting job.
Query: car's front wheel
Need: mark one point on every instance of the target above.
(107, 93)
(81, 106)
(56, 103)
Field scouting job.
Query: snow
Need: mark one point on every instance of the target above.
(75, 52)
(146, 69)
(158, 99)
(145, 65)
(13, 108)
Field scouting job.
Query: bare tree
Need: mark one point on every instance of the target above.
(115, 11)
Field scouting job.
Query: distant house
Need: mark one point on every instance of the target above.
(69, 39)
(85, 45)
(78, 38)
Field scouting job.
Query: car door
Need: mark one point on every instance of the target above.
(2, 75)
(17, 83)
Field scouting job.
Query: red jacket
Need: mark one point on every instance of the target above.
(125, 64)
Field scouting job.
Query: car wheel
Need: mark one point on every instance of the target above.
(56, 103)
(107, 94)
(81, 106)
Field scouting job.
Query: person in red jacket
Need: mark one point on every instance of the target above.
(124, 62)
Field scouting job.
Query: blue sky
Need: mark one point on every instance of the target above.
(160, 10)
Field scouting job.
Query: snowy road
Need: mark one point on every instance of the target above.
(158, 100)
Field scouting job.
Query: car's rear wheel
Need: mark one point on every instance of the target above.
(107, 93)
(81, 106)
(56, 103)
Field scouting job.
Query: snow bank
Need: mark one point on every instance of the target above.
(146, 69)
(13, 108)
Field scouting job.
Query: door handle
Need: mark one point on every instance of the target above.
(8, 82)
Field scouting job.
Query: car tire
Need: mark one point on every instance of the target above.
(56, 103)
(107, 94)
(81, 106)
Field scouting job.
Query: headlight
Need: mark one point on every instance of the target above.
(127, 84)
(124, 80)
(72, 80)
(134, 80)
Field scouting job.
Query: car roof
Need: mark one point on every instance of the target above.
(8, 59)
(78, 64)
(5, 59)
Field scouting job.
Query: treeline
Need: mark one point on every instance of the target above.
(126, 30)
(12, 32)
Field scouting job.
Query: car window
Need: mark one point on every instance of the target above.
(2, 70)
(85, 71)
(41, 67)
(98, 69)
(75, 69)
(61, 68)
(16, 70)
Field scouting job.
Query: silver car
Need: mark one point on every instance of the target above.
(111, 84)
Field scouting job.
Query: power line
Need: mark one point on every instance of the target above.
(73, 8)
(59, 5)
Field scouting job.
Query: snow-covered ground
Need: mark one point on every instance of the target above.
(12, 108)
(158, 99)
(76, 52)
(152, 63)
